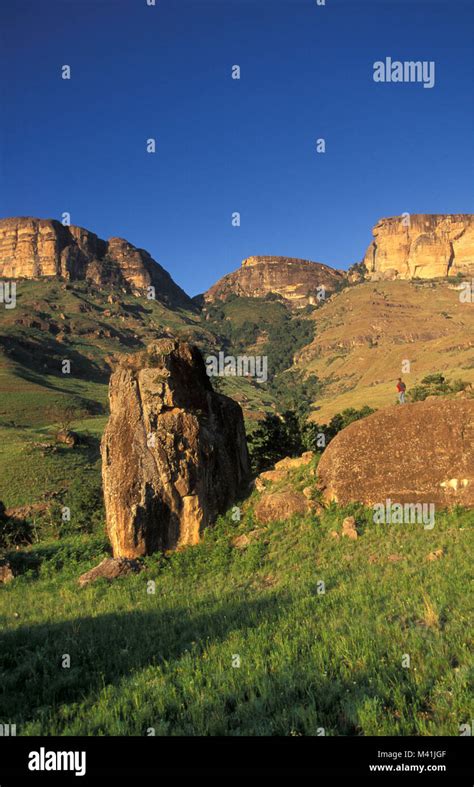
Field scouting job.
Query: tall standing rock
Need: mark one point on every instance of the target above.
(174, 453)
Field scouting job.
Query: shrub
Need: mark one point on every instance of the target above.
(290, 435)
(274, 439)
(85, 500)
(435, 385)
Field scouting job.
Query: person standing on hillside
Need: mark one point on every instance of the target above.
(401, 388)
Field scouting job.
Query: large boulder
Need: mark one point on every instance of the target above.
(413, 453)
(174, 453)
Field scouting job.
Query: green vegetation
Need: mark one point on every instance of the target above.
(164, 660)
(267, 327)
(274, 438)
(264, 324)
(435, 385)
(337, 422)
(359, 270)
(290, 434)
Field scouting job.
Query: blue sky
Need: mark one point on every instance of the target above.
(227, 145)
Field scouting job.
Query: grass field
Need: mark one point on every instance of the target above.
(167, 659)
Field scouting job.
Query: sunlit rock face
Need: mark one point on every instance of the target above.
(412, 453)
(32, 248)
(422, 246)
(174, 452)
(298, 282)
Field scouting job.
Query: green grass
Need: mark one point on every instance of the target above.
(27, 475)
(307, 660)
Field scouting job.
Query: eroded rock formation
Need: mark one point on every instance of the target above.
(295, 280)
(33, 248)
(413, 453)
(174, 453)
(422, 246)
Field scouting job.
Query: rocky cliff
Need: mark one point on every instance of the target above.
(295, 280)
(422, 246)
(412, 453)
(33, 248)
(174, 453)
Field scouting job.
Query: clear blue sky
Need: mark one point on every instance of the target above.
(225, 145)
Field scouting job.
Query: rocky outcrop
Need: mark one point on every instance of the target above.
(296, 281)
(283, 505)
(423, 246)
(413, 453)
(174, 453)
(33, 248)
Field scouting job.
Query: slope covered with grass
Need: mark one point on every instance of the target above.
(222, 640)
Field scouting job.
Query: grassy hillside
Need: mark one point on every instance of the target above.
(364, 333)
(308, 659)
(52, 322)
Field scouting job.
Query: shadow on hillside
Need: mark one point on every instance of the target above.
(105, 649)
(57, 555)
(45, 356)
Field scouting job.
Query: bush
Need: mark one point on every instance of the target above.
(290, 435)
(14, 532)
(340, 421)
(433, 379)
(274, 439)
(85, 500)
(435, 385)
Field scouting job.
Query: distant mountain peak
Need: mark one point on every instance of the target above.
(293, 279)
(32, 248)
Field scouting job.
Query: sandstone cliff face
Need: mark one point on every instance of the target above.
(174, 452)
(32, 248)
(430, 246)
(413, 453)
(295, 280)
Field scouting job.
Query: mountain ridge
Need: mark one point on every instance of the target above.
(36, 248)
(410, 246)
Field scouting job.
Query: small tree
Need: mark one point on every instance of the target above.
(274, 439)
(64, 415)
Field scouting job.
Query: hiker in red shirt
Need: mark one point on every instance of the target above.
(401, 388)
